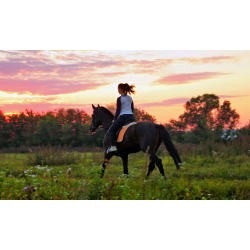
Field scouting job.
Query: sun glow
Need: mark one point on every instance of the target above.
(10, 114)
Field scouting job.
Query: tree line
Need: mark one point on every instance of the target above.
(63, 127)
(204, 119)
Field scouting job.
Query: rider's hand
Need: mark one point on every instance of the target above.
(113, 121)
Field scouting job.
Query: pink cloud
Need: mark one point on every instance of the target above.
(29, 65)
(42, 107)
(46, 87)
(165, 103)
(185, 78)
(214, 59)
(41, 72)
(175, 101)
(18, 62)
(231, 96)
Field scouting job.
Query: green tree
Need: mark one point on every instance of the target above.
(5, 132)
(32, 120)
(49, 130)
(198, 113)
(227, 118)
(143, 116)
(205, 117)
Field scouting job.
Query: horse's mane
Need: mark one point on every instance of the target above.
(107, 112)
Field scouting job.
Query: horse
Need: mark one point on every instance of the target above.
(142, 136)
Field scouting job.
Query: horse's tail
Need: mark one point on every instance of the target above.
(169, 144)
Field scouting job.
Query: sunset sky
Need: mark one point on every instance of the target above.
(165, 80)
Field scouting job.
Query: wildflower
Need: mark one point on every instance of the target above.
(38, 184)
(25, 172)
(64, 183)
(26, 188)
(35, 196)
(69, 171)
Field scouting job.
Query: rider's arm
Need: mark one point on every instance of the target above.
(132, 106)
(118, 108)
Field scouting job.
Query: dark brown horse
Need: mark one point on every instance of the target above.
(143, 136)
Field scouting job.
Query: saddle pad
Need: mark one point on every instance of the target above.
(129, 124)
(123, 130)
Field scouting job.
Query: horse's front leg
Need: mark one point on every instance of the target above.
(107, 158)
(125, 163)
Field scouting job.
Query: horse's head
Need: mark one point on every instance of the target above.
(95, 122)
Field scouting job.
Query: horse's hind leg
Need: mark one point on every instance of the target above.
(151, 167)
(158, 163)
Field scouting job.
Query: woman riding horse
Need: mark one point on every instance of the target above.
(125, 109)
(143, 136)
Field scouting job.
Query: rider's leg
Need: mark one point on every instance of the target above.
(114, 128)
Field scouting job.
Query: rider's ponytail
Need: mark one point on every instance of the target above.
(127, 88)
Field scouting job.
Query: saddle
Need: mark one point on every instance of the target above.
(121, 132)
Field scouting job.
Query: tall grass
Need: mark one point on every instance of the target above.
(211, 171)
(53, 156)
(235, 148)
(203, 177)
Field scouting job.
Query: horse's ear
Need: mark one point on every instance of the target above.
(93, 106)
(98, 106)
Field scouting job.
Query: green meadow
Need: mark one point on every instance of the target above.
(56, 174)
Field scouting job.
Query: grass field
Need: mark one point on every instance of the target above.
(74, 175)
